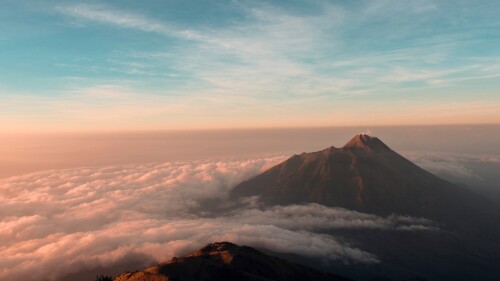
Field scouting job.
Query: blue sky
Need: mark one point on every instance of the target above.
(135, 65)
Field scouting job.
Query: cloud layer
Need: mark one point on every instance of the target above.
(57, 222)
(453, 165)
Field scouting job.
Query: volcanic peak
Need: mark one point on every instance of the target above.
(367, 143)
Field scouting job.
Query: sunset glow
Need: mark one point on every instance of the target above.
(120, 65)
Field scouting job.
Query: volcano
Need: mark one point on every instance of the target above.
(365, 175)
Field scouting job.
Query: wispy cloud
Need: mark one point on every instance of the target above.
(105, 15)
(458, 79)
(264, 49)
(279, 61)
(271, 49)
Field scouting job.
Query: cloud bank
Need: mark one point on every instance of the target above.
(58, 222)
(442, 164)
(460, 166)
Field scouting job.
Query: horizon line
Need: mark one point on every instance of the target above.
(227, 129)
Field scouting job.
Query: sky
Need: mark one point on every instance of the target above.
(157, 65)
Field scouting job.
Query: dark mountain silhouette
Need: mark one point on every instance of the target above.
(227, 261)
(365, 175)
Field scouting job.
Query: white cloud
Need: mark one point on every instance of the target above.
(61, 221)
(318, 217)
(105, 15)
(270, 46)
(441, 163)
(263, 48)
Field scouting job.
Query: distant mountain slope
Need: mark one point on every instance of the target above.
(227, 261)
(365, 175)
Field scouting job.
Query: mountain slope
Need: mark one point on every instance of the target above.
(364, 175)
(227, 261)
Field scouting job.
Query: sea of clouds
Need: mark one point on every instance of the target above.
(58, 222)
(452, 164)
(476, 172)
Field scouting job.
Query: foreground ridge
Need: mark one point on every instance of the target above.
(228, 261)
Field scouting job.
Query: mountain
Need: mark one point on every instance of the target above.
(365, 175)
(227, 261)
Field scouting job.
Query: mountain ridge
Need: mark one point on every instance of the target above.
(228, 261)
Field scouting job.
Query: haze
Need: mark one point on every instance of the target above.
(462, 153)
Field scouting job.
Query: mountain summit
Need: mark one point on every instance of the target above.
(367, 143)
(364, 175)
